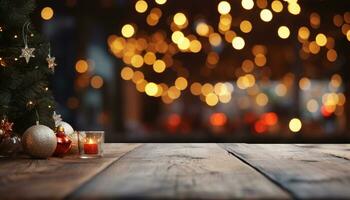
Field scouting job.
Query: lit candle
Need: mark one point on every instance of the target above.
(91, 147)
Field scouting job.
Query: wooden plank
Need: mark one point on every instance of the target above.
(179, 171)
(338, 150)
(53, 178)
(306, 174)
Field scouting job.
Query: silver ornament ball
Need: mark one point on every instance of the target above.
(39, 141)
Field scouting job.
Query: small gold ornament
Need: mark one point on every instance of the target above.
(27, 53)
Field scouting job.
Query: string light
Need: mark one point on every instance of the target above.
(180, 19)
(128, 30)
(245, 26)
(321, 39)
(137, 51)
(283, 32)
(141, 6)
(295, 125)
(266, 15)
(224, 7)
(238, 43)
(277, 6)
(247, 4)
(161, 2)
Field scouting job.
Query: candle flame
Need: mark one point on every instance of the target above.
(90, 141)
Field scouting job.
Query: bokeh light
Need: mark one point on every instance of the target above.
(47, 13)
(295, 125)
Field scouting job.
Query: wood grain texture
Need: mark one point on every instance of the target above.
(53, 178)
(337, 150)
(305, 173)
(179, 171)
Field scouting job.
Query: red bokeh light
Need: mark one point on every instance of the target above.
(326, 112)
(270, 118)
(218, 119)
(260, 126)
(174, 120)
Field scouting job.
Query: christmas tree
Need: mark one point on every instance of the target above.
(25, 65)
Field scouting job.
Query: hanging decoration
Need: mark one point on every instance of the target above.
(27, 52)
(51, 61)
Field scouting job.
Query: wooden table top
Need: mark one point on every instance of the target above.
(185, 170)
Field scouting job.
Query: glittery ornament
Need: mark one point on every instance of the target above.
(27, 53)
(5, 128)
(39, 141)
(51, 63)
(64, 144)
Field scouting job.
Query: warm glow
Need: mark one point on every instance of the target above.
(224, 7)
(149, 58)
(141, 6)
(47, 13)
(161, 2)
(177, 36)
(181, 83)
(128, 30)
(218, 119)
(247, 4)
(332, 55)
(96, 82)
(238, 43)
(137, 61)
(277, 6)
(180, 19)
(314, 48)
(202, 29)
(159, 66)
(312, 106)
(151, 89)
(281, 90)
(195, 46)
(283, 32)
(184, 43)
(196, 88)
(294, 8)
(174, 120)
(304, 83)
(321, 39)
(266, 15)
(81, 66)
(127, 73)
(138, 77)
(245, 26)
(295, 125)
(215, 39)
(270, 118)
(304, 33)
(212, 99)
(261, 99)
(174, 93)
(260, 60)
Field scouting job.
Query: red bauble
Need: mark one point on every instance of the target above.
(64, 144)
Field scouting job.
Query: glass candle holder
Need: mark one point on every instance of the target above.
(90, 144)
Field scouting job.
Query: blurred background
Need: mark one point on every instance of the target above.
(201, 70)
